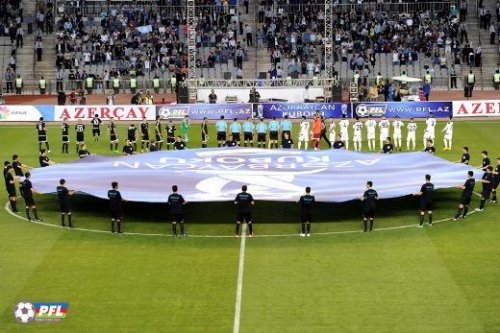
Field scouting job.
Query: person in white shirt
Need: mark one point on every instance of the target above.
(410, 137)
(397, 126)
(357, 138)
(430, 129)
(384, 125)
(332, 134)
(304, 133)
(344, 131)
(448, 134)
(371, 126)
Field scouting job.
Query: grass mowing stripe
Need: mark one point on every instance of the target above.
(239, 285)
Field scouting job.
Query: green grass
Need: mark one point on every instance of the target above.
(444, 279)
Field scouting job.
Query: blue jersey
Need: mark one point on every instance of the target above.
(248, 127)
(221, 126)
(286, 125)
(274, 126)
(261, 127)
(235, 128)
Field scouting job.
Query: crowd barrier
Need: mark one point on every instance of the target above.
(404, 110)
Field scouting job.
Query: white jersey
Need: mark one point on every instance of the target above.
(448, 130)
(304, 131)
(331, 131)
(344, 129)
(371, 126)
(412, 129)
(384, 125)
(398, 126)
(430, 130)
(358, 126)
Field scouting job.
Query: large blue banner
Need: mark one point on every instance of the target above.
(403, 109)
(200, 111)
(275, 175)
(297, 110)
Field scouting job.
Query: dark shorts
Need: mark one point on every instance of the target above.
(113, 138)
(11, 190)
(204, 136)
(177, 218)
(247, 136)
(221, 136)
(170, 139)
(80, 137)
(145, 137)
(486, 194)
(159, 138)
(369, 212)
(236, 136)
(465, 200)
(273, 135)
(496, 182)
(261, 137)
(29, 200)
(42, 138)
(425, 206)
(65, 207)
(244, 217)
(65, 138)
(306, 217)
(96, 132)
(132, 138)
(116, 214)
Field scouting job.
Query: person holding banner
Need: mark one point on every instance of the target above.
(398, 126)
(411, 135)
(274, 128)
(261, 133)
(425, 194)
(468, 189)
(384, 125)
(369, 206)
(448, 134)
(496, 181)
(304, 132)
(487, 181)
(371, 126)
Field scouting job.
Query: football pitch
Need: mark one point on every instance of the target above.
(399, 278)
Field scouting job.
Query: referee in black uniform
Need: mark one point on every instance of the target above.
(245, 202)
(306, 207)
(63, 195)
(468, 188)
(176, 203)
(115, 205)
(425, 194)
(369, 198)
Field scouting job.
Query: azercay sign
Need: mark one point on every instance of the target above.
(297, 110)
(403, 109)
(200, 111)
(274, 175)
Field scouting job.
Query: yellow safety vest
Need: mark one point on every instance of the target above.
(133, 83)
(428, 78)
(356, 77)
(288, 80)
(90, 82)
(19, 83)
(315, 81)
(156, 83)
(132, 72)
(379, 80)
(496, 77)
(116, 83)
(470, 78)
(173, 81)
(43, 84)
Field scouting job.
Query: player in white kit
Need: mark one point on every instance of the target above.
(397, 125)
(371, 127)
(357, 138)
(304, 133)
(384, 125)
(410, 137)
(344, 131)
(332, 134)
(430, 129)
(448, 134)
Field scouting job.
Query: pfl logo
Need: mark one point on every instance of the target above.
(168, 112)
(375, 110)
(26, 312)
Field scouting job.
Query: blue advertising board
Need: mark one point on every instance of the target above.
(200, 111)
(297, 110)
(403, 109)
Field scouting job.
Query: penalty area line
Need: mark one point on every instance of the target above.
(7, 209)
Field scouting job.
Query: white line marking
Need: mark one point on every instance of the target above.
(239, 285)
(221, 236)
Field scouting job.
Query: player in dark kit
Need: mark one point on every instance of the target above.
(96, 127)
(429, 148)
(179, 144)
(80, 135)
(388, 147)
(170, 134)
(144, 135)
(468, 188)
(42, 135)
(245, 202)
(204, 133)
(115, 205)
(286, 143)
(369, 198)
(10, 186)
(132, 135)
(496, 181)
(465, 156)
(63, 195)
(18, 167)
(487, 181)
(306, 207)
(44, 159)
(485, 162)
(425, 194)
(26, 189)
(158, 133)
(65, 136)
(113, 136)
(176, 203)
(128, 149)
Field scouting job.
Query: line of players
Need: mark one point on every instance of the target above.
(244, 200)
(267, 134)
